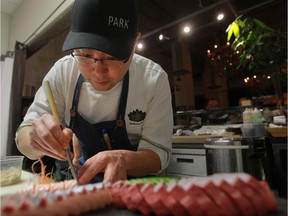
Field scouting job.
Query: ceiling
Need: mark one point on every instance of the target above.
(167, 16)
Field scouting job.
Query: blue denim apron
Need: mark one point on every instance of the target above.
(90, 135)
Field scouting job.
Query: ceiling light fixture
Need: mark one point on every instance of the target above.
(188, 17)
(140, 45)
(163, 37)
(186, 29)
(220, 16)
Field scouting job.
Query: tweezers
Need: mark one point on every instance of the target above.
(56, 116)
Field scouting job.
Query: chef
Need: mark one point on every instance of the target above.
(115, 103)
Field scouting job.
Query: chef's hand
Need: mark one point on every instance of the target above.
(48, 138)
(111, 163)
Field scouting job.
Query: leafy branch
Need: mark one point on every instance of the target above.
(262, 48)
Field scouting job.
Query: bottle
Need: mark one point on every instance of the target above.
(256, 116)
(247, 116)
(267, 115)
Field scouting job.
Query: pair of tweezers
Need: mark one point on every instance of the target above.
(56, 116)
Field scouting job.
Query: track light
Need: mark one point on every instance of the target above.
(162, 37)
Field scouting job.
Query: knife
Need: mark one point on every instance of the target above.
(56, 116)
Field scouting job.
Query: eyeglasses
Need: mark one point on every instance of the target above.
(87, 60)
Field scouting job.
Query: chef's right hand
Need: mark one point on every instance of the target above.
(48, 138)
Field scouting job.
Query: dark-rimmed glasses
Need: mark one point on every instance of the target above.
(87, 60)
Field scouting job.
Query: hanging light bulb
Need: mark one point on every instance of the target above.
(220, 16)
(140, 45)
(186, 29)
(246, 80)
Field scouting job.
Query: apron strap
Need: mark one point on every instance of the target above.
(123, 97)
(75, 101)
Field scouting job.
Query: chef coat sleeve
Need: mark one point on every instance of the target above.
(157, 128)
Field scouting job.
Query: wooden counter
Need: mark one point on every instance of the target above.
(196, 139)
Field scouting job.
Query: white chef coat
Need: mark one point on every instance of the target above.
(149, 95)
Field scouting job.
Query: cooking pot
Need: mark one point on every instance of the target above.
(236, 155)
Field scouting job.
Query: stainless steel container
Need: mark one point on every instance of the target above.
(236, 155)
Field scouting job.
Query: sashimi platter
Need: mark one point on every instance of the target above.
(227, 194)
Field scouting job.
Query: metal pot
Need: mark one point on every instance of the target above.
(235, 155)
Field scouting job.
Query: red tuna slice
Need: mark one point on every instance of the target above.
(8, 203)
(143, 206)
(268, 196)
(134, 199)
(248, 191)
(13, 204)
(223, 201)
(151, 195)
(7, 209)
(191, 206)
(176, 192)
(128, 197)
(98, 192)
(51, 209)
(64, 205)
(102, 198)
(27, 205)
(170, 202)
(243, 204)
(117, 191)
(78, 203)
(195, 193)
(262, 188)
(131, 198)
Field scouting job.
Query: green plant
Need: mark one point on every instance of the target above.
(263, 50)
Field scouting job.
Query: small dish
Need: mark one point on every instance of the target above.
(11, 169)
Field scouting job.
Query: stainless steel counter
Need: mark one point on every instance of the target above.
(196, 139)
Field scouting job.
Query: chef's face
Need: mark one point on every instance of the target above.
(100, 69)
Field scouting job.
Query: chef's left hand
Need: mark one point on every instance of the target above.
(111, 163)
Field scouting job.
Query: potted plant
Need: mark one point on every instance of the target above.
(263, 50)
